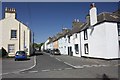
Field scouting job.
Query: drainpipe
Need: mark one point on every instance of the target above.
(80, 45)
(33, 44)
(19, 35)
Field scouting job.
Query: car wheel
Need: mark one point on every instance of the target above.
(15, 59)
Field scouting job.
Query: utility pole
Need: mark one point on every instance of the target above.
(33, 45)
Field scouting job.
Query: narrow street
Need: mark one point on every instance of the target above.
(46, 62)
(57, 66)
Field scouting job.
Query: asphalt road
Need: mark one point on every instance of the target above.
(9, 65)
(49, 66)
(46, 62)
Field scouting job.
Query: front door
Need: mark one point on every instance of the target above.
(70, 51)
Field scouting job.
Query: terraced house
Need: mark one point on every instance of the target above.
(14, 35)
(98, 37)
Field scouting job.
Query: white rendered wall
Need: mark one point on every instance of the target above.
(102, 41)
(63, 45)
(93, 16)
(76, 41)
(112, 40)
(46, 46)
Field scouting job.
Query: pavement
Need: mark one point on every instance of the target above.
(9, 65)
(80, 62)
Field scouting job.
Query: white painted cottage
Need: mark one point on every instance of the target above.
(75, 37)
(63, 41)
(99, 37)
(14, 35)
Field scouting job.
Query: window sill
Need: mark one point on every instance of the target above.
(13, 39)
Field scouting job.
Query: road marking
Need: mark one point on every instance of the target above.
(59, 69)
(58, 59)
(33, 71)
(51, 56)
(104, 65)
(68, 68)
(69, 64)
(78, 67)
(46, 70)
(22, 69)
(87, 66)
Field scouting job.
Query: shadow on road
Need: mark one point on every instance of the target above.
(38, 53)
(105, 77)
(23, 59)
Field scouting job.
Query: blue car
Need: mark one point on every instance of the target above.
(20, 55)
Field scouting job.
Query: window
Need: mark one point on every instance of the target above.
(68, 39)
(76, 49)
(85, 35)
(76, 35)
(11, 48)
(13, 33)
(86, 48)
(119, 29)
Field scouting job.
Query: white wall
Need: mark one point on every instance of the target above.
(102, 41)
(46, 46)
(112, 40)
(76, 41)
(63, 45)
(93, 15)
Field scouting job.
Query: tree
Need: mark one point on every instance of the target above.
(38, 45)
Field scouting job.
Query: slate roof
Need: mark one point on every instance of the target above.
(105, 16)
(76, 27)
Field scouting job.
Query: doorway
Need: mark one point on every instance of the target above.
(70, 51)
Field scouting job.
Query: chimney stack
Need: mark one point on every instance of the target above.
(93, 14)
(10, 12)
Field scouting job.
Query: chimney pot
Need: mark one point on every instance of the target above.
(92, 5)
(6, 9)
(77, 20)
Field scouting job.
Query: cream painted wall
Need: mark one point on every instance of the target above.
(9, 24)
(10, 15)
(0, 34)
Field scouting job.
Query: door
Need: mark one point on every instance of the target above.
(70, 51)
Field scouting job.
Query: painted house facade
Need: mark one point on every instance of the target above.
(15, 35)
(75, 37)
(100, 38)
(63, 41)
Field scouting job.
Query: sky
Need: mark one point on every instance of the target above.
(46, 19)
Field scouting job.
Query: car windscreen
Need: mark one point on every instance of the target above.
(20, 52)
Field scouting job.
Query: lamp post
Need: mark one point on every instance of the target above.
(33, 45)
